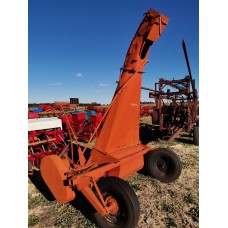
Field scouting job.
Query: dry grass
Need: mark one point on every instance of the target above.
(162, 205)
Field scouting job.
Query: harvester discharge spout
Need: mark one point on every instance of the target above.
(121, 128)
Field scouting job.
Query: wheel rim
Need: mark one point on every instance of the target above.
(116, 209)
(162, 166)
(112, 205)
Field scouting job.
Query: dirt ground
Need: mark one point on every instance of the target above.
(161, 205)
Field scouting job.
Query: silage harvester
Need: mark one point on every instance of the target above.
(117, 153)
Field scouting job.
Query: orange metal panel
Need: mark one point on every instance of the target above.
(52, 170)
(131, 166)
(135, 158)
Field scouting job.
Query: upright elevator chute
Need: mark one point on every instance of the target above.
(121, 127)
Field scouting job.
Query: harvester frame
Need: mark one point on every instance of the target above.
(117, 152)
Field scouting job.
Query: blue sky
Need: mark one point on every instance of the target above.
(76, 48)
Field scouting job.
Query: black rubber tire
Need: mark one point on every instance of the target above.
(163, 164)
(196, 136)
(129, 208)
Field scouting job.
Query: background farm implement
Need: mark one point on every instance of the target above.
(45, 137)
(176, 106)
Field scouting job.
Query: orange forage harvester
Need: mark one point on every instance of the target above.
(118, 152)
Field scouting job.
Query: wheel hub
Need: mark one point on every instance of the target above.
(112, 205)
(162, 166)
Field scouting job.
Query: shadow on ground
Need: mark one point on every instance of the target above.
(80, 202)
(187, 140)
(38, 181)
(148, 133)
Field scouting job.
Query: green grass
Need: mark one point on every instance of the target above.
(32, 220)
(171, 193)
(189, 199)
(170, 222)
(194, 213)
(169, 207)
(39, 200)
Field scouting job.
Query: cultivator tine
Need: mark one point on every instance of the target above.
(64, 150)
(177, 132)
(188, 65)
